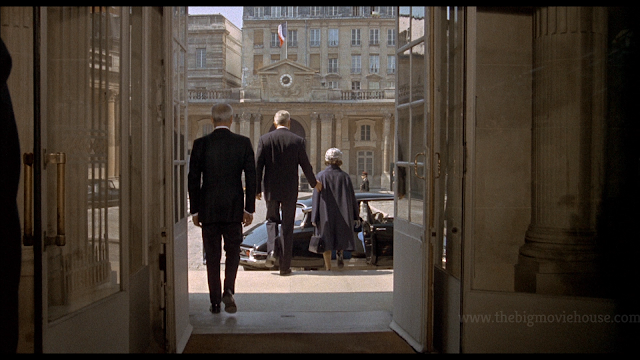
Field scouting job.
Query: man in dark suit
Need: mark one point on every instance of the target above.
(278, 156)
(218, 203)
(10, 244)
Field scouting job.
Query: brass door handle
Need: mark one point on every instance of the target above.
(60, 159)
(415, 166)
(27, 236)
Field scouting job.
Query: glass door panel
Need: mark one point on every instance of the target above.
(412, 246)
(81, 157)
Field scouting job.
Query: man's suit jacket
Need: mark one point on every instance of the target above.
(215, 177)
(278, 155)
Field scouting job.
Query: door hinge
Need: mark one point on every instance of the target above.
(162, 262)
(163, 235)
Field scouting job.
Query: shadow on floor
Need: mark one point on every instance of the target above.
(387, 342)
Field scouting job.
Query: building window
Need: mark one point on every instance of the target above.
(365, 161)
(357, 10)
(332, 11)
(333, 66)
(355, 85)
(257, 63)
(374, 36)
(374, 64)
(276, 11)
(355, 37)
(258, 11)
(333, 37)
(314, 61)
(258, 38)
(315, 11)
(290, 11)
(201, 58)
(333, 85)
(356, 64)
(292, 38)
(314, 37)
(390, 10)
(275, 41)
(275, 58)
(374, 85)
(391, 37)
(365, 133)
(391, 64)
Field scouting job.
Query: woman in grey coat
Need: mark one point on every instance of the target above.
(335, 210)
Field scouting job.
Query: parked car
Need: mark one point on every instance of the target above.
(100, 190)
(374, 243)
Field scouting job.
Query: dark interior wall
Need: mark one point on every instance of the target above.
(502, 181)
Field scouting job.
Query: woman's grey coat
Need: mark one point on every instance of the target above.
(335, 209)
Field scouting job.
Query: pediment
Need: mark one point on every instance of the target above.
(288, 65)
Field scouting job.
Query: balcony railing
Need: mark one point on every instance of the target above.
(317, 95)
(363, 95)
(198, 95)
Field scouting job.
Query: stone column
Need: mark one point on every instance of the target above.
(342, 141)
(257, 126)
(313, 145)
(559, 255)
(326, 134)
(338, 138)
(245, 124)
(235, 124)
(385, 176)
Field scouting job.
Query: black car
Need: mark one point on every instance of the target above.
(374, 244)
(101, 190)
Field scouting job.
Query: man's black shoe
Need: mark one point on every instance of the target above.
(215, 308)
(229, 303)
(271, 260)
(285, 272)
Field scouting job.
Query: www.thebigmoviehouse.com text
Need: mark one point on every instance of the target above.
(561, 318)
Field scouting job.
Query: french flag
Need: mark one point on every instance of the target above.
(282, 33)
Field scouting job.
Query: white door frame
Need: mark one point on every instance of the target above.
(178, 327)
(413, 243)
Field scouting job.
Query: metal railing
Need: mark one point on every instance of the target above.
(199, 95)
(324, 94)
(363, 95)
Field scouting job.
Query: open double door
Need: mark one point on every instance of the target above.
(101, 112)
(429, 177)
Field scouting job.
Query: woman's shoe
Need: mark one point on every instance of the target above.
(271, 260)
(339, 255)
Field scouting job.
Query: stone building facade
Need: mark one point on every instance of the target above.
(335, 74)
(214, 48)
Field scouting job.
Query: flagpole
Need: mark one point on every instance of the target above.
(286, 39)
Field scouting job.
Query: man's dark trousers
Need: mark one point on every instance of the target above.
(284, 248)
(212, 235)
